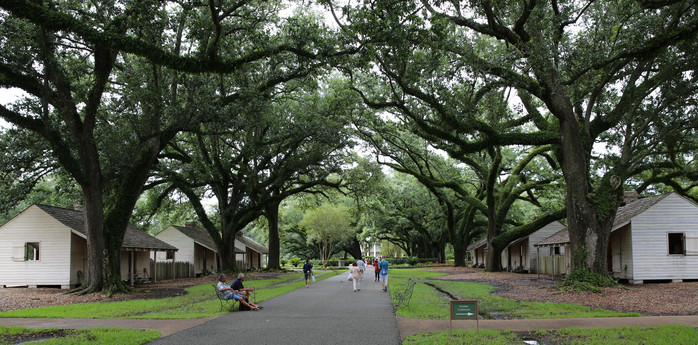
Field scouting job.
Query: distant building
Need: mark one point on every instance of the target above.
(198, 248)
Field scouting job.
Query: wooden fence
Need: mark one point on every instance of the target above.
(548, 263)
(164, 270)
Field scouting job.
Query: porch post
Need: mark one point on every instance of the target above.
(215, 262)
(133, 267)
(155, 267)
(538, 261)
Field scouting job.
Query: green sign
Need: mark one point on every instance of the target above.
(463, 310)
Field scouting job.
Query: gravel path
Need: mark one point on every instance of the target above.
(647, 299)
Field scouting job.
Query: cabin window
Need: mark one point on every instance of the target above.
(170, 255)
(676, 243)
(556, 251)
(31, 251)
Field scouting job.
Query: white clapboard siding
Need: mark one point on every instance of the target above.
(539, 235)
(179, 240)
(650, 248)
(54, 238)
(205, 259)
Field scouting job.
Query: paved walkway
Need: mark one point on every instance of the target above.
(328, 313)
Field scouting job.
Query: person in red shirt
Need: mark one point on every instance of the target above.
(375, 268)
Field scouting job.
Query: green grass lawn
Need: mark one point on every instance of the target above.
(92, 336)
(200, 301)
(429, 303)
(661, 335)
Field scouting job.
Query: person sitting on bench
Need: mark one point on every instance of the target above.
(230, 293)
(237, 285)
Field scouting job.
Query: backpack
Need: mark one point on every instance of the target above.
(384, 271)
(244, 307)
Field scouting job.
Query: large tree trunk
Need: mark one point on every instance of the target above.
(271, 211)
(458, 253)
(355, 249)
(455, 240)
(116, 222)
(113, 281)
(227, 252)
(494, 259)
(93, 217)
(589, 231)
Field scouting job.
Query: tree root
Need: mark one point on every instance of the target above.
(84, 289)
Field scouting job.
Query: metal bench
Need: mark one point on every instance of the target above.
(402, 296)
(229, 303)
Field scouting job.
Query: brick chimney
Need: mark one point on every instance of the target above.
(630, 196)
(190, 224)
(77, 206)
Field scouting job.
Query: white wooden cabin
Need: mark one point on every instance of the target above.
(195, 247)
(652, 239)
(255, 254)
(47, 246)
(520, 255)
(478, 251)
(553, 254)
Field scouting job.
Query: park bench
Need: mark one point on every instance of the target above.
(229, 303)
(402, 296)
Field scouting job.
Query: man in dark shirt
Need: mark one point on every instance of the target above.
(237, 285)
(308, 271)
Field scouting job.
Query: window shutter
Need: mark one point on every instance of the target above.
(691, 244)
(18, 253)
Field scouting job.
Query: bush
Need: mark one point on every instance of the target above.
(584, 280)
(295, 262)
(283, 262)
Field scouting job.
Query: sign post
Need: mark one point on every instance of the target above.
(464, 310)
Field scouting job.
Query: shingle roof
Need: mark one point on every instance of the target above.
(629, 211)
(200, 236)
(252, 244)
(134, 238)
(479, 243)
(623, 216)
(562, 236)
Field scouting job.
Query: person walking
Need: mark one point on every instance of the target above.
(376, 268)
(355, 273)
(362, 268)
(308, 272)
(383, 266)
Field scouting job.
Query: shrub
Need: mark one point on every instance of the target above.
(584, 280)
(295, 262)
(283, 262)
